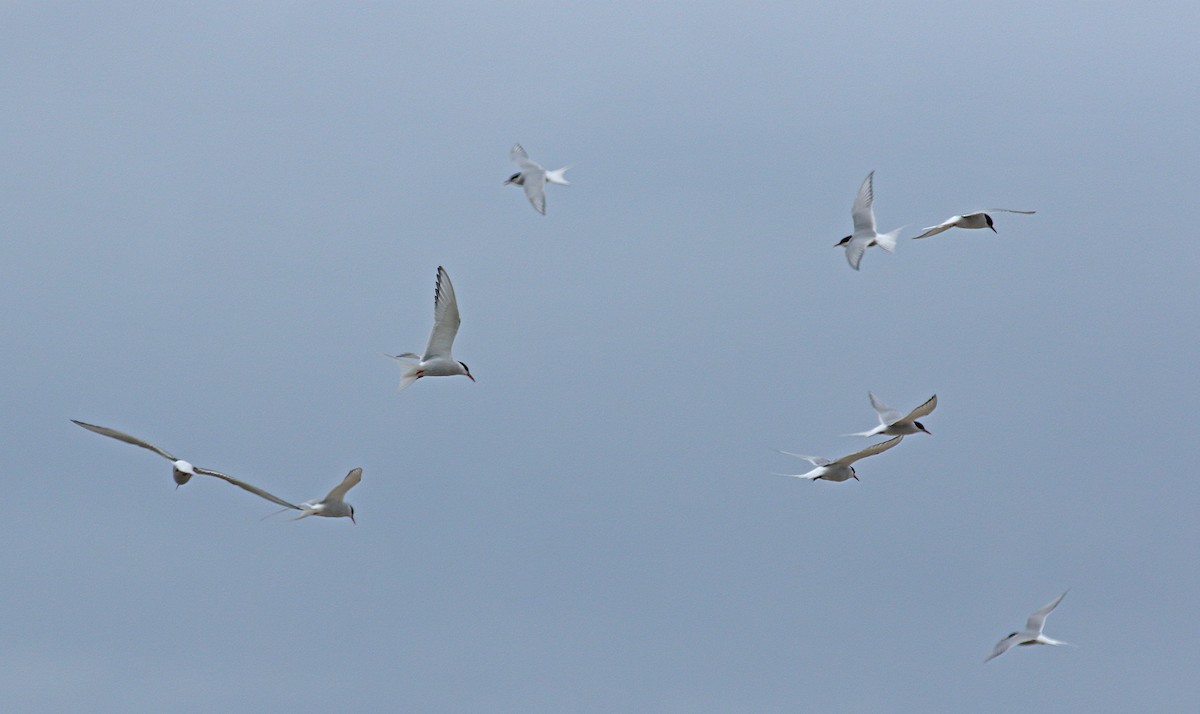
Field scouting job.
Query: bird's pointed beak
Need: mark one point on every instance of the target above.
(507, 181)
(994, 229)
(471, 378)
(352, 519)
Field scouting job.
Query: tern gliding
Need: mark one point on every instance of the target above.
(840, 470)
(183, 471)
(892, 424)
(979, 219)
(1032, 634)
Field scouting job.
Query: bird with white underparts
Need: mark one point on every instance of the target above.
(1032, 634)
(533, 178)
(892, 424)
(437, 360)
(332, 506)
(841, 469)
(978, 219)
(864, 235)
(182, 470)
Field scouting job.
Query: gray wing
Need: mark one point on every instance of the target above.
(864, 217)
(535, 188)
(941, 227)
(122, 436)
(814, 460)
(1007, 210)
(870, 451)
(252, 489)
(445, 318)
(1003, 646)
(517, 153)
(923, 410)
(339, 491)
(854, 251)
(1038, 619)
(887, 415)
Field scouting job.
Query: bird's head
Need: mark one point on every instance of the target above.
(515, 178)
(182, 471)
(991, 225)
(921, 426)
(843, 241)
(854, 473)
(466, 370)
(352, 515)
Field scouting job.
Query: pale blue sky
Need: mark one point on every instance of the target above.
(215, 219)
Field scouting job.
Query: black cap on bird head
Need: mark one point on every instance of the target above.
(921, 426)
(988, 218)
(843, 241)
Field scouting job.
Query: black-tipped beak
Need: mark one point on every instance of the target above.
(994, 229)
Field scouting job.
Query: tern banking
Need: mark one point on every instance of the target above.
(841, 469)
(978, 219)
(437, 361)
(1032, 634)
(892, 424)
(534, 178)
(182, 470)
(332, 506)
(864, 235)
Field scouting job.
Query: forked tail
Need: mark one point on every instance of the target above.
(887, 241)
(558, 177)
(411, 369)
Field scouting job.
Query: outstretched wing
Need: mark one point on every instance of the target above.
(854, 251)
(247, 487)
(1038, 619)
(1004, 645)
(941, 227)
(445, 318)
(869, 451)
(518, 154)
(1008, 210)
(339, 492)
(887, 415)
(122, 436)
(864, 217)
(535, 188)
(814, 460)
(923, 410)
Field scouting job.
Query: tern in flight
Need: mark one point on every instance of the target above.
(182, 470)
(978, 219)
(332, 506)
(864, 235)
(892, 424)
(840, 470)
(533, 178)
(437, 361)
(1032, 634)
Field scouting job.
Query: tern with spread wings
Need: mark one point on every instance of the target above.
(978, 219)
(892, 424)
(1032, 634)
(182, 470)
(437, 361)
(533, 178)
(840, 470)
(864, 235)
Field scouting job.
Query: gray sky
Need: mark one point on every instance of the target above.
(217, 218)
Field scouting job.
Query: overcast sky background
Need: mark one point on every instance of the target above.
(216, 219)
